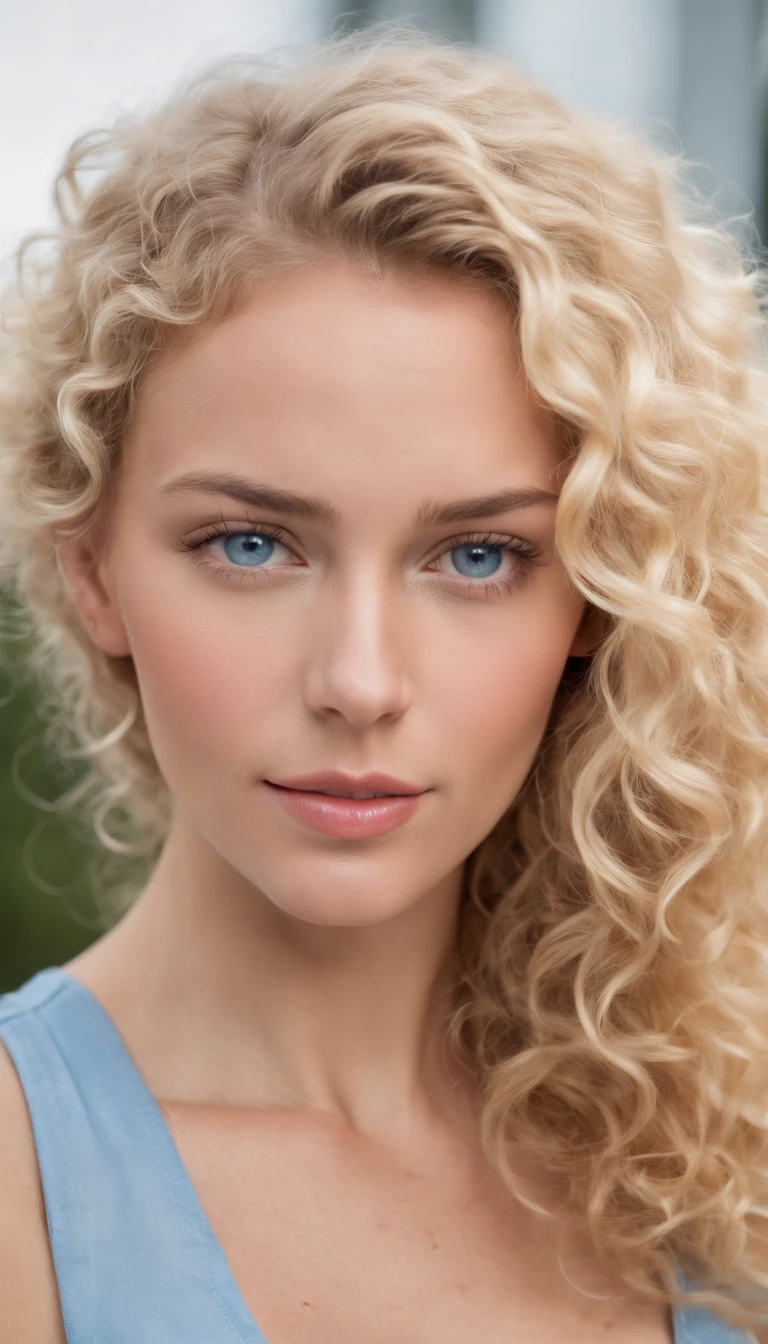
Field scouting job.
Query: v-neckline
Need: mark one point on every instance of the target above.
(223, 1282)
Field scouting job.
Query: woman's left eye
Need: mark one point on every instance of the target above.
(479, 560)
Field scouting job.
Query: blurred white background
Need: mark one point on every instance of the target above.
(692, 71)
(69, 65)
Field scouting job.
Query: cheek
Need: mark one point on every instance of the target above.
(496, 694)
(210, 669)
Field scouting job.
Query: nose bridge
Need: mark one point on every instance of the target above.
(358, 644)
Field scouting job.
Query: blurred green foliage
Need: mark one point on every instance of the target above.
(47, 913)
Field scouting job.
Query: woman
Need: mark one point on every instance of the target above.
(382, 469)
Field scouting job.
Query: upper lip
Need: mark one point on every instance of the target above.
(340, 782)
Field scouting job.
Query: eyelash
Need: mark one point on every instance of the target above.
(528, 555)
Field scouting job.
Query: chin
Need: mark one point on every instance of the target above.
(356, 903)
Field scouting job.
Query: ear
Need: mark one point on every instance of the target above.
(85, 572)
(592, 630)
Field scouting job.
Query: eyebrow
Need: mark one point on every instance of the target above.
(431, 513)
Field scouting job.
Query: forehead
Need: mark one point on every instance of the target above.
(331, 368)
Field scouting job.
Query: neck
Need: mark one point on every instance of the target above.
(260, 1008)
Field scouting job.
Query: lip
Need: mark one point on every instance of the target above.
(374, 782)
(347, 818)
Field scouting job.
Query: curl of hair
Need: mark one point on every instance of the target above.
(613, 947)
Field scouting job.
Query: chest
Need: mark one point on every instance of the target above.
(333, 1240)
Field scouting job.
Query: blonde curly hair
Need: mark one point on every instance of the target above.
(613, 961)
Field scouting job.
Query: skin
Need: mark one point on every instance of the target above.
(362, 650)
(297, 976)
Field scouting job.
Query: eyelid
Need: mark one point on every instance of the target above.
(500, 539)
(224, 529)
(279, 533)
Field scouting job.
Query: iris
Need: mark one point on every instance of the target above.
(255, 547)
(476, 559)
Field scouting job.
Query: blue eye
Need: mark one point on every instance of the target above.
(250, 548)
(479, 564)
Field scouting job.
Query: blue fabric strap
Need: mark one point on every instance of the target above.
(135, 1256)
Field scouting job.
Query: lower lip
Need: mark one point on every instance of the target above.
(347, 818)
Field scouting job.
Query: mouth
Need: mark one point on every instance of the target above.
(338, 783)
(337, 793)
(362, 814)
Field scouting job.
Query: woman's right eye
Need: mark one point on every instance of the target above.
(242, 550)
(252, 549)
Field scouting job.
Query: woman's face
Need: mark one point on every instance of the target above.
(348, 628)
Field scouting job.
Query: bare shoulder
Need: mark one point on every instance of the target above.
(30, 1300)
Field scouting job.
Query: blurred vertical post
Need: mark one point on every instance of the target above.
(692, 67)
(722, 96)
(452, 19)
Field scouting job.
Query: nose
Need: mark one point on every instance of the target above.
(356, 666)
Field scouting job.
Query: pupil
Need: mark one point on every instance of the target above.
(481, 559)
(254, 547)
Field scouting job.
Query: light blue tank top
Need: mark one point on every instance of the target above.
(136, 1259)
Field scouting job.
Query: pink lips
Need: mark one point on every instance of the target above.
(348, 818)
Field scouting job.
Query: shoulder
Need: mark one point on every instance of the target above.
(31, 1311)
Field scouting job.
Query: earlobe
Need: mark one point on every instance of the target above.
(79, 568)
(590, 634)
